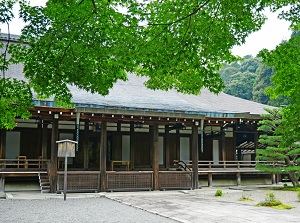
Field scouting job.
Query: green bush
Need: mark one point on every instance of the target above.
(270, 203)
(298, 195)
(270, 197)
(245, 197)
(219, 193)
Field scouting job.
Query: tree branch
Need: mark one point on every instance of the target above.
(184, 17)
(95, 11)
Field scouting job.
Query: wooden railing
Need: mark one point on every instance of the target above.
(229, 165)
(23, 163)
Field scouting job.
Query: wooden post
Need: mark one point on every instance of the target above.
(53, 167)
(223, 145)
(86, 145)
(2, 184)
(103, 150)
(39, 139)
(155, 158)
(2, 143)
(210, 179)
(195, 156)
(238, 179)
(273, 178)
(65, 178)
(66, 148)
(167, 147)
(132, 145)
(44, 140)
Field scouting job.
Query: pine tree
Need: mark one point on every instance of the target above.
(275, 152)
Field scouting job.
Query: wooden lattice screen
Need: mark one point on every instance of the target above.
(123, 181)
(79, 181)
(175, 180)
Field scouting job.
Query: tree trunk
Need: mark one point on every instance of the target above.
(294, 178)
(292, 174)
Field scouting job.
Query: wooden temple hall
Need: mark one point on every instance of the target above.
(135, 139)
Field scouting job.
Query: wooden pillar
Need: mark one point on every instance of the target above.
(103, 151)
(234, 142)
(256, 138)
(2, 184)
(53, 167)
(44, 140)
(155, 158)
(223, 145)
(195, 156)
(167, 147)
(177, 145)
(39, 138)
(86, 145)
(132, 147)
(2, 143)
(238, 179)
(273, 178)
(209, 179)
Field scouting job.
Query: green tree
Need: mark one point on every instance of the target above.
(271, 125)
(15, 95)
(239, 77)
(286, 82)
(93, 43)
(262, 81)
(241, 85)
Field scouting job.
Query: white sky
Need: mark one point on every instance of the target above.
(271, 34)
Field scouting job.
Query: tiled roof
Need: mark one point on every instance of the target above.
(133, 94)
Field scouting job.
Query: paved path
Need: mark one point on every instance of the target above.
(202, 206)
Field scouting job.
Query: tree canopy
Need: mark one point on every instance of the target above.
(248, 79)
(286, 80)
(15, 95)
(93, 43)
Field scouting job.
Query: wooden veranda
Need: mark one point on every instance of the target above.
(179, 176)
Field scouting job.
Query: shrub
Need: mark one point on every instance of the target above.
(270, 203)
(219, 193)
(270, 197)
(298, 195)
(245, 197)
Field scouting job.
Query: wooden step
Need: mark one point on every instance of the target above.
(44, 182)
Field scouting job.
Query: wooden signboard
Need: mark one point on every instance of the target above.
(66, 148)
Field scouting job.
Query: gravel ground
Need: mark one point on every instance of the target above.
(73, 210)
(152, 206)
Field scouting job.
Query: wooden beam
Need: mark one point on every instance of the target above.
(195, 156)
(155, 158)
(103, 151)
(53, 167)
